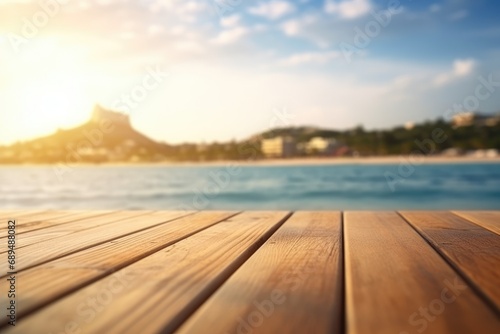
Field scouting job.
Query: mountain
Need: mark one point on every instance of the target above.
(107, 137)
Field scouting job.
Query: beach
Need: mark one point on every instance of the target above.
(375, 160)
(422, 159)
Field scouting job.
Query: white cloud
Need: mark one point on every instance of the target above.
(309, 27)
(185, 11)
(461, 14)
(189, 47)
(230, 36)
(178, 30)
(174, 42)
(294, 27)
(348, 9)
(8, 2)
(158, 5)
(230, 21)
(272, 10)
(155, 29)
(291, 27)
(435, 8)
(192, 7)
(127, 35)
(84, 5)
(311, 57)
(461, 68)
(104, 2)
(260, 28)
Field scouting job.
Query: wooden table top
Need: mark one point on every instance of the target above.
(251, 272)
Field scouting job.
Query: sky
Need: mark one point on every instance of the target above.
(217, 70)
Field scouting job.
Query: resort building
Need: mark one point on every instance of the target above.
(471, 118)
(320, 145)
(409, 125)
(487, 153)
(278, 147)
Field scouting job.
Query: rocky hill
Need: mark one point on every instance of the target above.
(107, 137)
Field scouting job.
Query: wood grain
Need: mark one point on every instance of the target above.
(24, 213)
(27, 217)
(10, 214)
(488, 219)
(292, 284)
(256, 272)
(158, 292)
(44, 251)
(70, 229)
(24, 226)
(396, 282)
(473, 250)
(48, 282)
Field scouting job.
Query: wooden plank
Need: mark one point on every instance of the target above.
(44, 251)
(9, 214)
(26, 217)
(71, 228)
(396, 283)
(35, 225)
(52, 280)
(292, 284)
(158, 292)
(21, 213)
(487, 219)
(471, 249)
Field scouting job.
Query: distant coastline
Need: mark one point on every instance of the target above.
(370, 160)
(109, 138)
(376, 160)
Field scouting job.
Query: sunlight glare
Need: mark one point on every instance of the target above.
(56, 93)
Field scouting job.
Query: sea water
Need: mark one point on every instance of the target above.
(244, 187)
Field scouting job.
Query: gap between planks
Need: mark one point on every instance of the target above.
(473, 251)
(48, 282)
(156, 298)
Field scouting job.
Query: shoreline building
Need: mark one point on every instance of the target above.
(322, 146)
(278, 147)
(472, 118)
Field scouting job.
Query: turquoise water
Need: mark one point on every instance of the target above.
(440, 186)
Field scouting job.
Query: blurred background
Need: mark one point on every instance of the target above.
(219, 104)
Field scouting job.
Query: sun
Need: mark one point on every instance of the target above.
(51, 92)
(49, 106)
